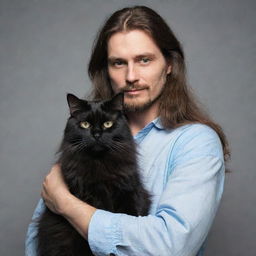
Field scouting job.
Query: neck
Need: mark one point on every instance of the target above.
(139, 119)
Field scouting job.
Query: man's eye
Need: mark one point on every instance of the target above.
(145, 60)
(117, 63)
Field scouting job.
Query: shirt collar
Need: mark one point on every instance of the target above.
(158, 124)
(143, 132)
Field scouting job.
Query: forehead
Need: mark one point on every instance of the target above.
(131, 43)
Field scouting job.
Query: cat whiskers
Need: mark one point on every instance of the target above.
(118, 147)
(79, 145)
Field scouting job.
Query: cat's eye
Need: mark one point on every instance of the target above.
(85, 125)
(107, 124)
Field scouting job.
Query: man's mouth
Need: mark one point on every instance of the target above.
(134, 91)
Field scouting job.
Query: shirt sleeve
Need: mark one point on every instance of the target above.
(185, 211)
(31, 239)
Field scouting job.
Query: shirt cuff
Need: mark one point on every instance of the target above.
(104, 233)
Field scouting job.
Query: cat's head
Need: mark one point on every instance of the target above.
(96, 127)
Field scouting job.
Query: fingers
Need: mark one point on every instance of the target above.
(47, 200)
(55, 173)
(55, 168)
(44, 194)
(54, 189)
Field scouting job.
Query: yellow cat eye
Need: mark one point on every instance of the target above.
(85, 125)
(107, 124)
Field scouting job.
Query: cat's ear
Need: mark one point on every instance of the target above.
(117, 102)
(74, 103)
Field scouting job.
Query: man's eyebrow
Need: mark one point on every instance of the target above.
(144, 54)
(111, 58)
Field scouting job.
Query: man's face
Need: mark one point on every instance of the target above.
(136, 67)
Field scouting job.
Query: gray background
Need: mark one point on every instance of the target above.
(44, 50)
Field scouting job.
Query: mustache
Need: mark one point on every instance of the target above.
(130, 87)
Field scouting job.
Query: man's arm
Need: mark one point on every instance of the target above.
(57, 197)
(180, 226)
(185, 211)
(59, 200)
(79, 214)
(31, 241)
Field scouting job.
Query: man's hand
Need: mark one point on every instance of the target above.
(55, 190)
(59, 200)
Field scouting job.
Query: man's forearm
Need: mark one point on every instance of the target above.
(59, 200)
(78, 213)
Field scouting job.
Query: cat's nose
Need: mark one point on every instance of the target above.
(96, 135)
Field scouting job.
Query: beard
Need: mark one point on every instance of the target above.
(140, 106)
(135, 105)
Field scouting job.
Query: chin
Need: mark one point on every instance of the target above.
(137, 106)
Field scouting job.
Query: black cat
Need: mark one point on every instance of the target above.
(99, 165)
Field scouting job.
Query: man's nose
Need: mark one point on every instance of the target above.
(131, 75)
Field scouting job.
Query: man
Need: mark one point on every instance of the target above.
(181, 150)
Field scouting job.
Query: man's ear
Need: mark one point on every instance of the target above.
(74, 103)
(117, 102)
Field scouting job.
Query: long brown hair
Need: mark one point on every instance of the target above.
(178, 105)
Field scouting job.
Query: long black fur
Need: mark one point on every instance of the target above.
(100, 167)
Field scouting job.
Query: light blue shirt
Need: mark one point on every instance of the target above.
(184, 171)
